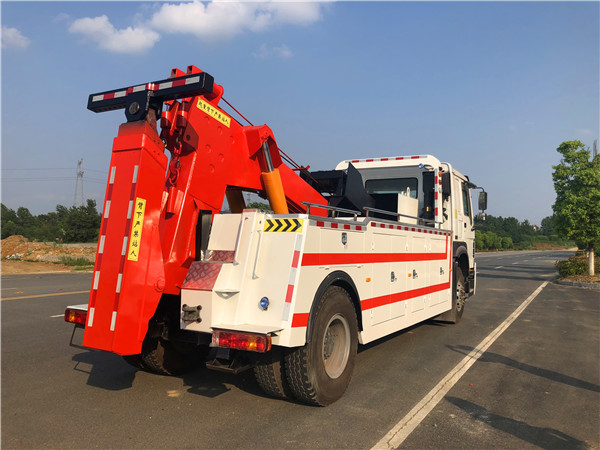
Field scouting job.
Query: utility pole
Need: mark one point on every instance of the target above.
(78, 197)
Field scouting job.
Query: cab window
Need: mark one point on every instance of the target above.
(466, 199)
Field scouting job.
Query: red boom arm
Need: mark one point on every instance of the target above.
(150, 217)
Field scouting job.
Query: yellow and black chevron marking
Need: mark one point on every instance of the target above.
(283, 225)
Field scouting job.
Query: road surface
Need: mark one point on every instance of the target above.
(536, 385)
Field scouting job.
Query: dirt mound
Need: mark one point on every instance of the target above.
(19, 248)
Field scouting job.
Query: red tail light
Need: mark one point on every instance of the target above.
(76, 316)
(242, 341)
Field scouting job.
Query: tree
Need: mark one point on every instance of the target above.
(82, 223)
(549, 225)
(577, 207)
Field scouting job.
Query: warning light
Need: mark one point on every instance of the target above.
(241, 341)
(76, 316)
(264, 303)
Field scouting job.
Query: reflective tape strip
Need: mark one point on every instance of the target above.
(113, 321)
(130, 210)
(101, 245)
(111, 179)
(124, 249)
(90, 317)
(96, 279)
(135, 174)
(106, 209)
(396, 158)
(119, 280)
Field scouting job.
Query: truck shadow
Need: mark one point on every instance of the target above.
(111, 372)
(105, 370)
(538, 436)
(488, 357)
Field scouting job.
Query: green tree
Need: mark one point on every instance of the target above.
(259, 205)
(82, 223)
(8, 221)
(577, 207)
(549, 225)
(507, 242)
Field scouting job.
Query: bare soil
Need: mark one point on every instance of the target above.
(20, 255)
(582, 279)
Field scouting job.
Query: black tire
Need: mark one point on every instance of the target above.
(169, 358)
(459, 296)
(270, 374)
(320, 372)
(135, 361)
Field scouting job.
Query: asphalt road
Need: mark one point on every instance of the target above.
(537, 385)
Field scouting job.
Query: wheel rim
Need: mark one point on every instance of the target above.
(336, 346)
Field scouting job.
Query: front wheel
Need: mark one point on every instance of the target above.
(459, 296)
(320, 372)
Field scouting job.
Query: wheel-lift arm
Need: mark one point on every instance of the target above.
(150, 222)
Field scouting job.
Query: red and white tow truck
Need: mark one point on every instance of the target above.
(346, 256)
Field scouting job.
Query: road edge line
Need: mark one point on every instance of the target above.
(394, 438)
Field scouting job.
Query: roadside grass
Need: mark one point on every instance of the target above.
(78, 263)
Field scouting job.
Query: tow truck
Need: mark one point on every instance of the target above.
(344, 256)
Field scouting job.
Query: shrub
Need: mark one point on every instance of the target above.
(575, 265)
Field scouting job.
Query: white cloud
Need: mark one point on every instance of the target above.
(12, 38)
(264, 52)
(210, 22)
(584, 131)
(219, 20)
(107, 37)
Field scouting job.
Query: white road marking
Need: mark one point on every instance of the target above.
(396, 436)
(516, 262)
(499, 267)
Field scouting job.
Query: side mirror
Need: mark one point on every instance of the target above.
(482, 201)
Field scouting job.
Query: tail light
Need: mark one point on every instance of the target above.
(242, 341)
(76, 316)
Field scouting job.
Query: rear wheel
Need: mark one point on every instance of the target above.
(320, 372)
(270, 374)
(171, 358)
(135, 360)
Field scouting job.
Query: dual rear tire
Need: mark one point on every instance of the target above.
(319, 372)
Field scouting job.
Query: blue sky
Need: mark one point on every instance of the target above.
(492, 88)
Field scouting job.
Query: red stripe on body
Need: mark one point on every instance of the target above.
(401, 296)
(295, 259)
(289, 293)
(300, 320)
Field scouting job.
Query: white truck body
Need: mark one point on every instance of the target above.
(397, 269)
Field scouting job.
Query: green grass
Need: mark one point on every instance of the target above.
(79, 263)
